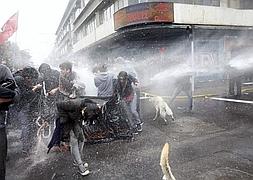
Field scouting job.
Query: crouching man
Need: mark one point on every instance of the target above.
(71, 113)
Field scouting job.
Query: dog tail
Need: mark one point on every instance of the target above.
(164, 163)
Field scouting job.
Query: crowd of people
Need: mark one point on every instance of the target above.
(45, 94)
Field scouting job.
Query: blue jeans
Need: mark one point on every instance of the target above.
(132, 106)
(76, 148)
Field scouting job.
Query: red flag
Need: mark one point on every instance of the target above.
(9, 28)
(3, 37)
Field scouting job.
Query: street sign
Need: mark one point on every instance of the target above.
(144, 13)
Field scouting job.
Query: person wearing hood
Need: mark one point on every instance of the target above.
(49, 76)
(28, 106)
(49, 79)
(104, 81)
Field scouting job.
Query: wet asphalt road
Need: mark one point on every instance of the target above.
(214, 142)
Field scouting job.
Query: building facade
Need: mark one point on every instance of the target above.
(206, 32)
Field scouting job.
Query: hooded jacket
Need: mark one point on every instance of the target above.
(104, 83)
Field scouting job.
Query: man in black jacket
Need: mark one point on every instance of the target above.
(70, 129)
(49, 76)
(49, 79)
(28, 106)
(7, 93)
(124, 89)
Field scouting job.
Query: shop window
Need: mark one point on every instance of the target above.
(131, 2)
(195, 2)
(90, 27)
(116, 6)
(207, 2)
(112, 10)
(106, 14)
(121, 4)
(101, 17)
(246, 4)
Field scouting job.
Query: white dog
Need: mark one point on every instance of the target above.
(162, 108)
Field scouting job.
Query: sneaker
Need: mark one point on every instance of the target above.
(76, 164)
(134, 131)
(83, 170)
(139, 127)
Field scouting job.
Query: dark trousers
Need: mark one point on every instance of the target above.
(138, 103)
(188, 91)
(235, 82)
(3, 152)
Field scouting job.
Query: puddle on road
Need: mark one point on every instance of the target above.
(38, 156)
(194, 126)
(225, 174)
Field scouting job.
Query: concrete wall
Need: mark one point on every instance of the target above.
(105, 29)
(86, 41)
(101, 32)
(207, 15)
